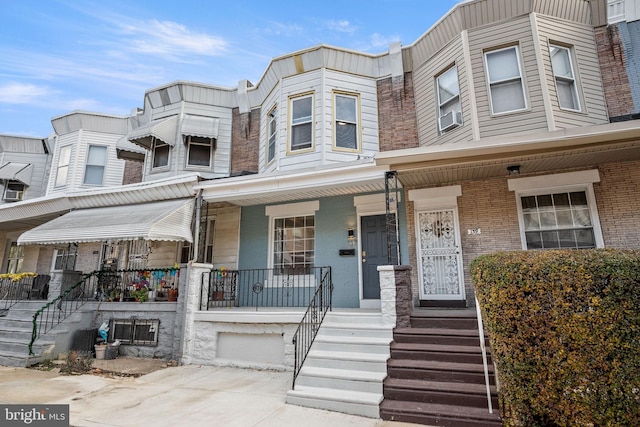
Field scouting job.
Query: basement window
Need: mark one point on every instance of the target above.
(135, 331)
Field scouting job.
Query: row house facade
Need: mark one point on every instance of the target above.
(507, 125)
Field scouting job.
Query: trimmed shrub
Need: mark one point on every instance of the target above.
(564, 330)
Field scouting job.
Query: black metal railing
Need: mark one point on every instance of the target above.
(310, 324)
(28, 287)
(267, 287)
(105, 286)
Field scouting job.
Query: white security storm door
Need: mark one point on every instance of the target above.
(439, 255)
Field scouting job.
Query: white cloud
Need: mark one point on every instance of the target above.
(378, 41)
(342, 26)
(281, 29)
(23, 93)
(170, 38)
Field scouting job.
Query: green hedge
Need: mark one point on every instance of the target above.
(565, 335)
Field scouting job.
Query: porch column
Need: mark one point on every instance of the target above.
(396, 300)
(61, 281)
(188, 304)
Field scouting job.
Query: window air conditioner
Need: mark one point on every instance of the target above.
(450, 120)
(13, 195)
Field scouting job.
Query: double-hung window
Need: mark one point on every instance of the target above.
(449, 111)
(564, 77)
(65, 258)
(346, 113)
(272, 134)
(506, 86)
(294, 244)
(200, 151)
(96, 162)
(15, 258)
(62, 171)
(301, 126)
(160, 153)
(560, 214)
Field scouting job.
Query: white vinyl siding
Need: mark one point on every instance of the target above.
(504, 75)
(95, 165)
(566, 87)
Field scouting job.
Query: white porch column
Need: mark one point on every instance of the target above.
(191, 300)
(396, 302)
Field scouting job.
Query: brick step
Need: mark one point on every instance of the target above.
(445, 353)
(442, 336)
(445, 393)
(438, 415)
(438, 371)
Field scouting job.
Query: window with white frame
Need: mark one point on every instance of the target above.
(62, 170)
(301, 126)
(65, 258)
(506, 86)
(160, 153)
(200, 151)
(272, 134)
(449, 110)
(558, 211)
(346, 113)
(292, 237)
(565, 77)
(15, 258)
(96, 162)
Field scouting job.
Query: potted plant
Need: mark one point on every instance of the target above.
(141, 294)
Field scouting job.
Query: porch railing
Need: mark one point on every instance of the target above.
(308, 328)
(12, 291)
(104, 286)
(267, 287)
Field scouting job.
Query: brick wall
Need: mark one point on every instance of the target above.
(397, 124)
(132, 172)
(491, 207)
(614, 74)
(245, 141)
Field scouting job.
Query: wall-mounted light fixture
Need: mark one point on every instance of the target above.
(513, 169)
(351, 236)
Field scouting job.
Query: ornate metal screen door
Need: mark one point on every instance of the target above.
(439, 255)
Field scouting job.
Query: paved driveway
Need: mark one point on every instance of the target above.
(174, 396)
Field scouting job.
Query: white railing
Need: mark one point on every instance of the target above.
(484, 356)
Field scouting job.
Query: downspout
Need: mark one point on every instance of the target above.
(196, 236)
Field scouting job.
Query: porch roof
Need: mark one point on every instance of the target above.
(168, 220)
(33, 212)
(361, 176)
(570, 148)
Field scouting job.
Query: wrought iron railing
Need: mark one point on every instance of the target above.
(267, 287)
(310, 324)
(12, 291)
(105, 286)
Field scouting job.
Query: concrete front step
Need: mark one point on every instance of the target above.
(347, 360)
(355, 330)
(341, 379)
(445, 393)
(346, 401)
(438, 415)
(354, 317)
(353, 344)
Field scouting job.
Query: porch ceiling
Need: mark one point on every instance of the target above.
(534, 153)
(361, 177)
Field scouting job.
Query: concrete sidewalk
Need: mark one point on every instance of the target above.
(173, 396)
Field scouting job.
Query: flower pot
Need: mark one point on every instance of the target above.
(101, 351)
(173, 295)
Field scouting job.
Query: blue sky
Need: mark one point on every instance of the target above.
(58, 56)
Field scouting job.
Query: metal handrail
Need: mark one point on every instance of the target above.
(310, 324)
(484, 356)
